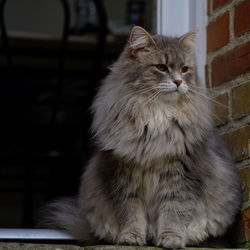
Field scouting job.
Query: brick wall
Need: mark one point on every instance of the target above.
(228, 79)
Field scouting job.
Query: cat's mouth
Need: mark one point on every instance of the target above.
(170, 90)
(171, 87)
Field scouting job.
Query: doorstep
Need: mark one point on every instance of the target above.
(37, 246)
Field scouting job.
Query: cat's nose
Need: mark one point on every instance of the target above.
(177, 82)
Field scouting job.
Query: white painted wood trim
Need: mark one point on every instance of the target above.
(33, 234)
(177, 17)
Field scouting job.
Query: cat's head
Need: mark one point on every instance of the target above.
(165, 64)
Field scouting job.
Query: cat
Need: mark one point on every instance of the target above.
(160, 173)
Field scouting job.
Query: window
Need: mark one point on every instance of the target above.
(175, 18)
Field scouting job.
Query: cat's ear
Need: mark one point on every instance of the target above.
(188, 39)
(139, 40)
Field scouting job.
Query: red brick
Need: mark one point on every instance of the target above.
(208, 7)
(241, 100)
(207, 76)
(246, 221)
(220, 109)
(242, 18)
(245, 179)
(233, 63)
(238, 143)
(218, 32)
(242, 230)
(219, 3)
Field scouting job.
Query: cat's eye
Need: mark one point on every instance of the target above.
(162, 67)
(184, 69)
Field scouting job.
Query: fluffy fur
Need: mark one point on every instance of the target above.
(160, 173)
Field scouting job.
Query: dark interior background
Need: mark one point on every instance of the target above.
(53, 54)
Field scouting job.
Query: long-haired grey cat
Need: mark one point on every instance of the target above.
(160, 174)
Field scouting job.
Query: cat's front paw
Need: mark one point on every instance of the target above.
(131, 238)
(170, 240)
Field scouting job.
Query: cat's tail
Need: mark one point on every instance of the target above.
(63, 214)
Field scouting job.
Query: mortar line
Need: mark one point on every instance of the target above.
(230, 107)
(243, 164)
(231, 24)
(237, 41)
(236, 82)
(214, 14)
(234, 125)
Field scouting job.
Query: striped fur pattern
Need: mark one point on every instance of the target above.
(160, 173)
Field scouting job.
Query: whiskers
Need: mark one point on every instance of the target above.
(153, 96)
(204, 98)
(126, 105)
(207, 97)
(144, 90)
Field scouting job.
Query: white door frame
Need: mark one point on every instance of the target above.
(177, 17)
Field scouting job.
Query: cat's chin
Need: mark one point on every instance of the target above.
(172, 96)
